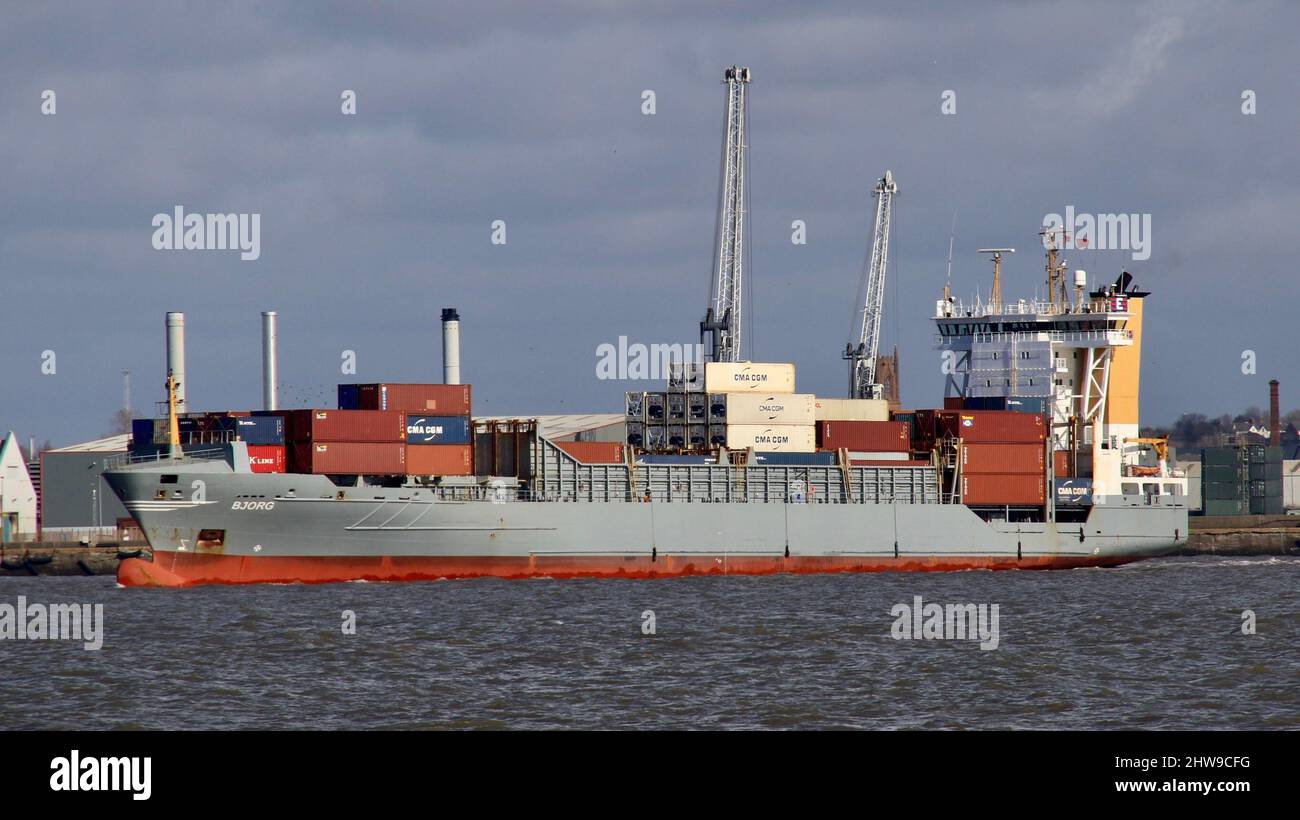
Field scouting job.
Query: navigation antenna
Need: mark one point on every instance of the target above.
(995, 295)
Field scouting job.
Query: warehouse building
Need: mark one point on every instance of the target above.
(74, 494)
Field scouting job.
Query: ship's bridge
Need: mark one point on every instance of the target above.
(1094, 323)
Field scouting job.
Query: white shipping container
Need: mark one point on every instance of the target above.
(770, 408)
(851, 409)
(772, 438)
(854, 455)
(745, 377)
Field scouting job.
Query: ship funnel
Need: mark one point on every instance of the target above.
(176, 355)
(270, 390)
(450, 346)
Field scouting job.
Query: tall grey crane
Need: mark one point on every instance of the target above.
(863, 383)
(722, 320)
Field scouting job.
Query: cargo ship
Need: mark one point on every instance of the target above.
(1034, 462)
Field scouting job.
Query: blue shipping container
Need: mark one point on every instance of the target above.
(349, 397)
(142, 431)
(437, 429)
(825, 459)
(260, 429)
(1074, 492)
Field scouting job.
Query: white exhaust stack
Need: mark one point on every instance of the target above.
(176, 356)
(270, 380)
(450, 346)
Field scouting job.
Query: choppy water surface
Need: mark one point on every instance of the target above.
(1154, 645)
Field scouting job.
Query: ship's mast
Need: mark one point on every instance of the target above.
(722, 320)
(863, 381)
(1058, 294)
(995, 295)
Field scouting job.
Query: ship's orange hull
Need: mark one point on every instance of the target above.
(174, 569)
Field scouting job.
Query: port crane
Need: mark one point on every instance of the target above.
(863, 381)
(722, 320)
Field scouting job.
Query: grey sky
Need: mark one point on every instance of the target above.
(531, 113)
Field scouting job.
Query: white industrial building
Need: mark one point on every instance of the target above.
(17, 494)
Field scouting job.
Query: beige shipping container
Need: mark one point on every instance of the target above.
(747, 377)
(851, 409)
(770, 408)
(772, 438)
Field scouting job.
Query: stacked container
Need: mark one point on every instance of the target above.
(1241, 480)
(347, 442)
(1002, 454)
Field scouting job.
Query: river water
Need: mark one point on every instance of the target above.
(1152, 645)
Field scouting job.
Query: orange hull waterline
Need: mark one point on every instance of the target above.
(173, 569)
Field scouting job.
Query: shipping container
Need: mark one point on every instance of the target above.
(953, 403)
(769, 408)
(1002, 458)
(260, 429)
(850, 409)
(784, 438)
(636, 434)
(860, 455)
(871, 436)
(594, 452)
(266, 458)
(634, 406)
(1073, 492)
(346, 425)
(1225, 507)
(676, 435)
(1222, 491)
(875, 462)
(655, 407)
(442, 399)
(349, 457)
(440, 459)
(1225, 473)
(697, 408)
(1027, 404)
(717, 435)
(675, 459)
(744, 377)
(1062, 464)
(676, 408)
(437, 429)
(1003, 490)
(656, 437)
(686, 376)
(779, 459)
(697, 436)
(1221, 455)
(990, 425)
(349, 397)
(717, 408)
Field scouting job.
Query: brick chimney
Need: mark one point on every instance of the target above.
(1274, 415)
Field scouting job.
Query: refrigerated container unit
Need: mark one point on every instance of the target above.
(634, 406)
(717, 408)
(697, 408)
(744, 377)
(686, 377)
(655, 408)
(636, 434)
(697, 436)
(676, 408)
(676, 435)
(656, 437)
(717, 435)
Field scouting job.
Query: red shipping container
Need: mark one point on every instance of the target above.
(346, 425)
(1062, 464)
(266, 458)
(439, 459)
(863, 436)
(1001, 488)
(593, 452)
(1002, 458)
(991, 425)
(434, 399)
(350, 458)
(952, 402)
